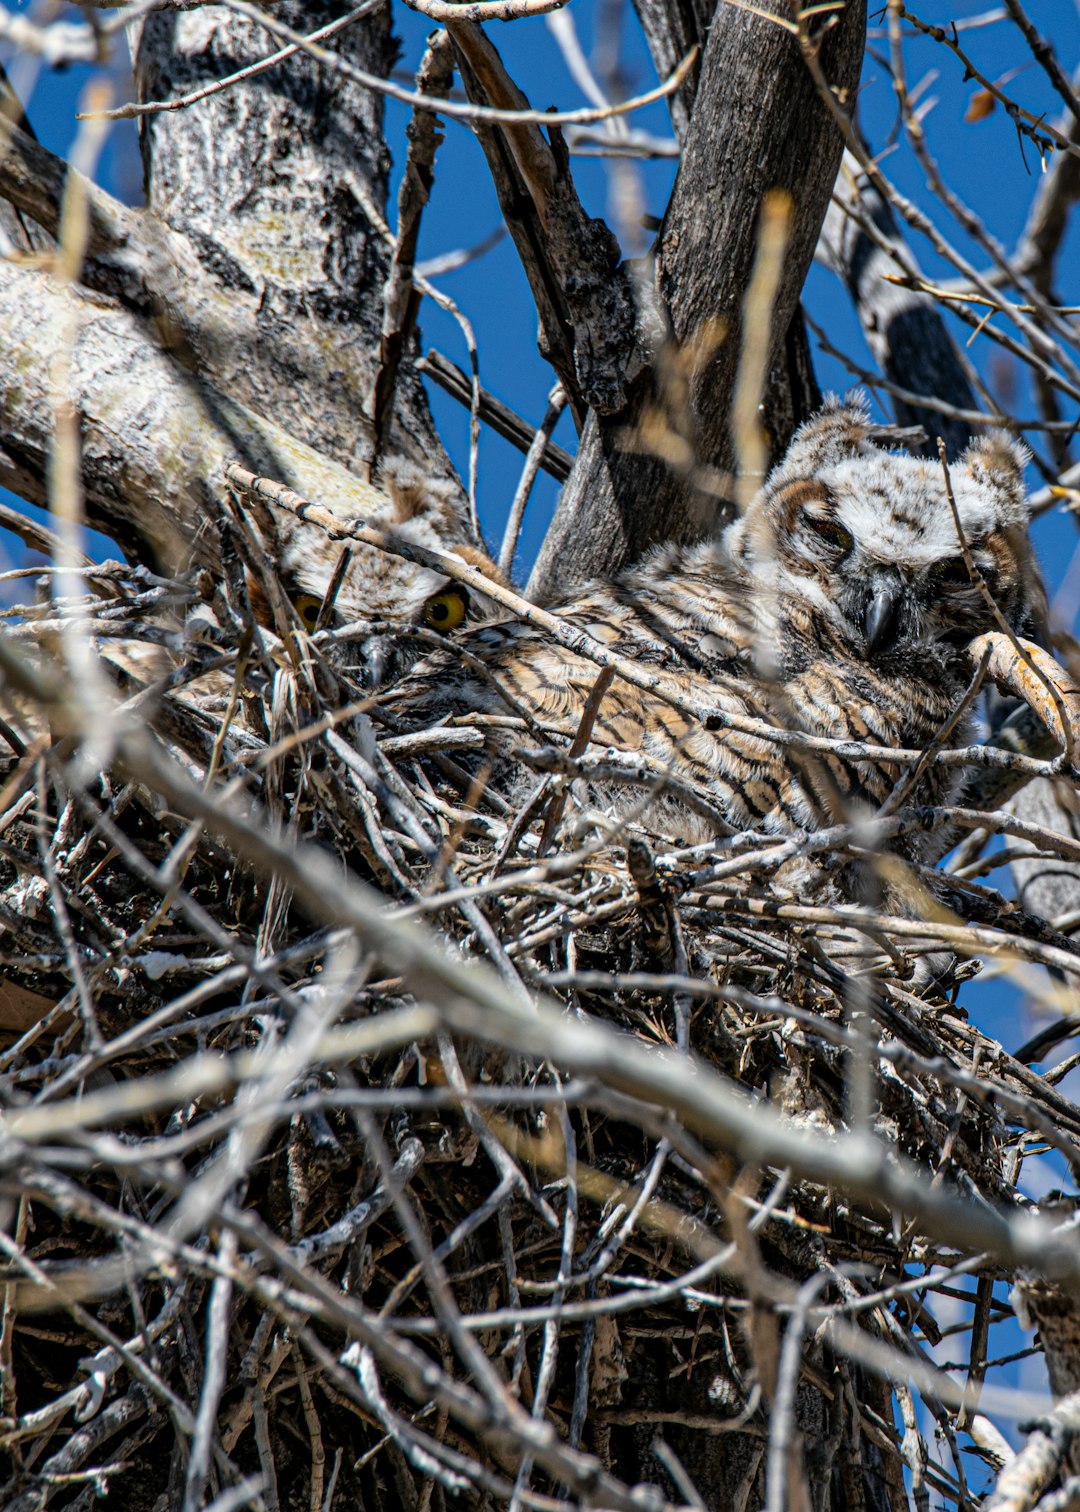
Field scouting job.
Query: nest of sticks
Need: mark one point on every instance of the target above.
(352, 1156)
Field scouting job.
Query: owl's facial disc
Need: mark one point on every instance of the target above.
(887, 603)
(871, 548)
(900, 609)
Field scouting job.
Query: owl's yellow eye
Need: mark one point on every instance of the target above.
(308, 606)
(446, 610)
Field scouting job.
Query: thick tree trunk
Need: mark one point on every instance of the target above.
(757, 125)
(240, 312)
(271, 182)
(155, 437)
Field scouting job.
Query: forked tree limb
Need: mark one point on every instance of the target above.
(588, 328)
(154, 439)
(758, 124)
(671, 31)
(213, 321)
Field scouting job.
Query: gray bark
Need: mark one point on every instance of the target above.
(671, 31)
(792, 393)
(268, 183)
(155, 439)
(250, 287)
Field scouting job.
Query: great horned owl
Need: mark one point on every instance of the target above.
(293, 567)
(839, 605)
(375, 585)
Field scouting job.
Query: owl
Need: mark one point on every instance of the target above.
(839, 604)
(374, 585)
(296, 572)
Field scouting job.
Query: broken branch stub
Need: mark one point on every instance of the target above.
(1035, 677)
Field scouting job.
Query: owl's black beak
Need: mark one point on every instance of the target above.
(881, 617)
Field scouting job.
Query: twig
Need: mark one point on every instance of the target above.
(483, 10)
(135, 108)
(502, 419)
(782, 1493)
(400, 297)
(218, 1329)
(456, 109)
(589, 711)
(1021, 1482)
(534, 459)
(64, 42)
(751, 447)
(1026, 123)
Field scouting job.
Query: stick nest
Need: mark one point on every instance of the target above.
(246, 1266)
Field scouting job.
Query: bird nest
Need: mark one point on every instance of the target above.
(371, 1139)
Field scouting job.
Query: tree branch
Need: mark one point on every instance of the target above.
(268, 184)
(619, 501)
(155, 439)
(903, 327)
(588, 330)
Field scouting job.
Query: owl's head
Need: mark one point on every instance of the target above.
(866, 539)
(411, 508)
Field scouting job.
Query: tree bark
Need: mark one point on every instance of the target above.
(758, 124)
(270, 183)
(155, 438)
(249, 288)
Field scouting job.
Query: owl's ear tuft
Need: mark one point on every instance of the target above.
(1000, 456)
(840, 429)
(415, 494)
(997, 462)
